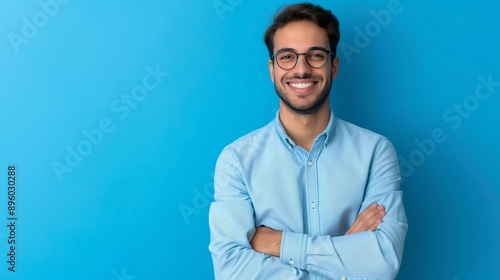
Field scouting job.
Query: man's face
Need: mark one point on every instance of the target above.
(302, 89)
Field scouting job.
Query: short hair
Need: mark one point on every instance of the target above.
(304, 11)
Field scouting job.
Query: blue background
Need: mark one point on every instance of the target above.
(135, 205)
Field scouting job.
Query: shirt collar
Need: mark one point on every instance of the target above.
(325, 135)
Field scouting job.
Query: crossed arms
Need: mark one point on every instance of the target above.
(369, 249)
(268, 241)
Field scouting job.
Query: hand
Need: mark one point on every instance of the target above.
(369, 219)
(267, 241)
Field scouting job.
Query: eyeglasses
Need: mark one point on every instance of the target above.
(315, 57)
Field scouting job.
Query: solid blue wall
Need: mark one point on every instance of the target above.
(114, 114)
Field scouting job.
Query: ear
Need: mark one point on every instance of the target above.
(270, 63)
(335, 67)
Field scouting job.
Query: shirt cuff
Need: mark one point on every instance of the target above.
(293, 249)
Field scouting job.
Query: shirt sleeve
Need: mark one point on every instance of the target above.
(232, 227)
(364, 255)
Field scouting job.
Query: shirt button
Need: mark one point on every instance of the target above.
(313, 205)
(310, 163)
(292, 262)
(342, 278)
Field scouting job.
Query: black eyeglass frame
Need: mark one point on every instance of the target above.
(297, 55)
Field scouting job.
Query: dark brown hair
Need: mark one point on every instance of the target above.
(304, 11)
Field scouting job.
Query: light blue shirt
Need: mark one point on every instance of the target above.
(264, 178)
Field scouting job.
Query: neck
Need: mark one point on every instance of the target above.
(303, 129)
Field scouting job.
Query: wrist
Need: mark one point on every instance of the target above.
(276, 243)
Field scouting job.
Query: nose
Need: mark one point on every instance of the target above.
(302, 66)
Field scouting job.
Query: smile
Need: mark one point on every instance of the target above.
(302, 85)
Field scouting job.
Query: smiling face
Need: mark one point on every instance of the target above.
(302, 89)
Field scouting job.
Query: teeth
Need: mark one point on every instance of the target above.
(301, 85)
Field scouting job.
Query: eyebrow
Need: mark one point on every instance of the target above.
(294, 50)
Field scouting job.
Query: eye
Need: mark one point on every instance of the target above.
(317, 55)
(286, 56)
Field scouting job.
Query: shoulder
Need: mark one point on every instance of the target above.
(253, 141)
(351, 130)
(348, 132)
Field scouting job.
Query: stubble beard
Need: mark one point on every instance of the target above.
(307, 109)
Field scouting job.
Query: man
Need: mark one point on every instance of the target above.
(304, 196)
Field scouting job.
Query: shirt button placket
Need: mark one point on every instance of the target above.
(312, 190)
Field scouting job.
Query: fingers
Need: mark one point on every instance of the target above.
(377, 217)
(369, 219)
(372, 216)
